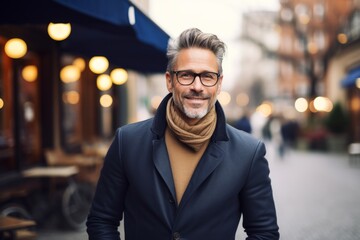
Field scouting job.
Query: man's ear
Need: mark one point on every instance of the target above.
(169, 84)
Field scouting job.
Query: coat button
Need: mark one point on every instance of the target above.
(176, 236)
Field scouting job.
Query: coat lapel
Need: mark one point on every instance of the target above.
(208, 163)
(162, 164)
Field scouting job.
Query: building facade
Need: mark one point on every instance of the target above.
(315, 55)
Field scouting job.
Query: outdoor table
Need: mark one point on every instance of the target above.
(9, 226)
(66, 171)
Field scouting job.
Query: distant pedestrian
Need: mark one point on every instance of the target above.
(289, 132)
(243, 124)
(277, 139)
(185, 174)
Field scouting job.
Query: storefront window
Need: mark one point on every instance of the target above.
(28, 111)
(89, 111)
(7, 157)
(20, 140)
(81, 115)
(70, 95)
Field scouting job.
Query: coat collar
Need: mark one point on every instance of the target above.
(159, 123)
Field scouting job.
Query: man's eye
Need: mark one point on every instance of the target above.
(185, 75)
(209, 76)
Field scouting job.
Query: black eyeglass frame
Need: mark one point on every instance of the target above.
(195, 75)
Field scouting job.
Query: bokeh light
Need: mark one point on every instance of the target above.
(119, 76)
(71, 97)
(59, 31)
(103, 82)
(98, 64)
(80, 63)
(30, 73)
(106, 100)
(242, 99)
(301, 105)
(265, 109)
(323, 104)
(224, 98)
(70, 73)
(15, 48)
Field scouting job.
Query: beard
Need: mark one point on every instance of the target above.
(193, 112)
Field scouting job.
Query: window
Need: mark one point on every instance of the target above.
(7, 157)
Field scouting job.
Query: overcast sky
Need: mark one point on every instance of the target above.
(222, 17)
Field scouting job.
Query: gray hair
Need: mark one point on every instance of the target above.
(193, 37)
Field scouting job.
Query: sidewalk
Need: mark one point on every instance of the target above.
(317, 196)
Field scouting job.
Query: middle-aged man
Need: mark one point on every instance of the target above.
(185, 174)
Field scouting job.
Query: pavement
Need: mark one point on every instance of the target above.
(317, 196)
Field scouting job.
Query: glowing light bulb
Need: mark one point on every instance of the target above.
(59, 31)
(15, 48)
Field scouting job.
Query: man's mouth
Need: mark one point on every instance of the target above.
(195, 100)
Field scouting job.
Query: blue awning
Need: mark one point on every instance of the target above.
(98, 28)
(350, 79)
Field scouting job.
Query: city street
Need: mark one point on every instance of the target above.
(73, 72)
(317, 197)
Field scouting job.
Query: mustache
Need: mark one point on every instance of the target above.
(195, 95)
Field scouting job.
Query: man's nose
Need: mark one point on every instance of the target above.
(197, 83)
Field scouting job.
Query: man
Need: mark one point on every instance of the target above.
(185, 174)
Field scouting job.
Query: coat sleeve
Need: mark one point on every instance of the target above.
(259, 214)
(108, 203)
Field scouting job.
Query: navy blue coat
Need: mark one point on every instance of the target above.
(231, 179)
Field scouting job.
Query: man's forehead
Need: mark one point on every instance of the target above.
(191, 58)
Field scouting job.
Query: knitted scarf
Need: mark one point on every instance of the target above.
(193, 136)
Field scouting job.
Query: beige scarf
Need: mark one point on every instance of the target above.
(193, 136)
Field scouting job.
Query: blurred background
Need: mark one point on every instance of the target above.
(71, 72)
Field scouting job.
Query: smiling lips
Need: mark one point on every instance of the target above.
(196, 100)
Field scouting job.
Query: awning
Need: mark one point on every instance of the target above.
(351, 78)
(98, 28)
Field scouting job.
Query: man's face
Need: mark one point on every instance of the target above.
(194, 100)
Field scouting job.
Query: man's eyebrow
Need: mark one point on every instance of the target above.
(189, 70)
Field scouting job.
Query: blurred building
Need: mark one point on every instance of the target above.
(318, 49)
(257, 80)
(344, 65)
(260, 40)
(308, 30)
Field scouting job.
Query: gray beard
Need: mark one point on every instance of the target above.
(195, 114)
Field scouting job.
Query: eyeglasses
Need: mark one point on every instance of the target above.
(186, 78)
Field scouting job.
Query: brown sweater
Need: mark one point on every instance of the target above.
(183, 161)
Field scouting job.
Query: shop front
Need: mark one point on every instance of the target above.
(58, 111)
